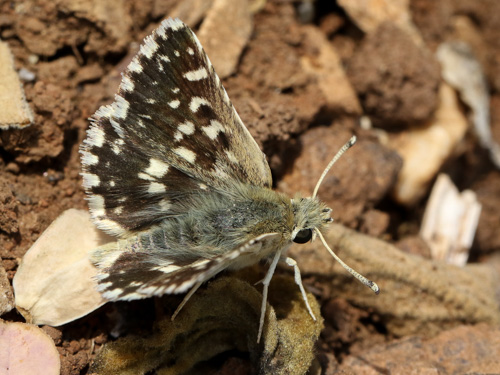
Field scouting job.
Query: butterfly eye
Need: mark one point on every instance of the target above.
(303, 236)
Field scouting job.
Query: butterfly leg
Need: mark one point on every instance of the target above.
(298, 280)
(265, 282)
(184, 301)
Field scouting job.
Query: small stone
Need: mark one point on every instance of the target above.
(27, 349)
(15, 111)
(224, 34)
(396, 80)
(375, 222)
(12, 167)
(6, 295)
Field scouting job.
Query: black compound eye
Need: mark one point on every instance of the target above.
(303, 236)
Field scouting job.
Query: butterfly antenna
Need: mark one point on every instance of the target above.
(344, 148)
(370, 284)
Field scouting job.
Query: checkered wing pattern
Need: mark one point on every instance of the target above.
(171, 132)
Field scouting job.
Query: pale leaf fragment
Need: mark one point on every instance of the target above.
(450, 222)
(55, 282)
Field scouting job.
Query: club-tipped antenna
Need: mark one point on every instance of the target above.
(370, 284)
(344, 148)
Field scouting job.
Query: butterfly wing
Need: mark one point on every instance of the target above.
(171, 132)
(127, 273)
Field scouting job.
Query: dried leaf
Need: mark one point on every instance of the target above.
(54, 284)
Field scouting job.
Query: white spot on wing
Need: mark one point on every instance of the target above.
(120, 107)
(127, 84)
(164, 58)
(171, 289)
(176, 90)
(95, 136)
(184, 286)
(156, 188)
(214, 129)
(150, 101)
(196, 102)
(117, 128)
(105, 285)
(146, 291)
(161, 31)
(231, 157)
(90, 180)
(190, 51)
(186, 128)
(173, 23)
(157, 168)
(96, 205)
(105, 111)
(186, 154)
(135, 66)
(110, 226)
(196, 75)
(118, 210)
(149, 47)
(200, 264)
(165, 205)
(144, 176)
(89, 159)
(116, 148)
(168, 269)
(110, 295)
(174, 104)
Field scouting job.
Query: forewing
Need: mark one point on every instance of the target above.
(170, 132)
(129, 273)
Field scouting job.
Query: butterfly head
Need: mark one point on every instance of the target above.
(310, 215)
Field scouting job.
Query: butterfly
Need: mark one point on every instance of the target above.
(170, 170)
